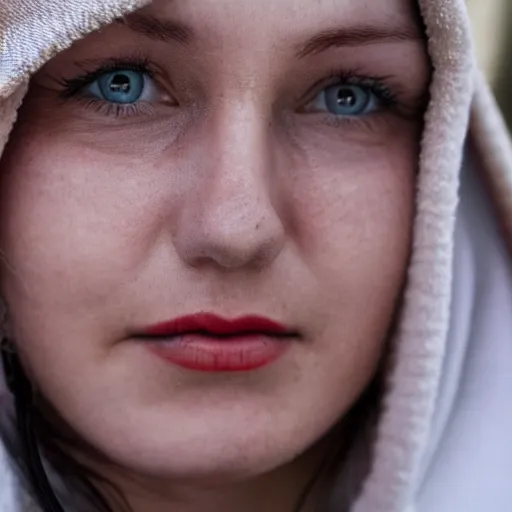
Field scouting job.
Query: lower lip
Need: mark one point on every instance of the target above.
(237, 354)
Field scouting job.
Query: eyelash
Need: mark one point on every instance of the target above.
(377, 85)
(71, 90)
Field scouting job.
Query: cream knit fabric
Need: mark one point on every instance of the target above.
(430, 349)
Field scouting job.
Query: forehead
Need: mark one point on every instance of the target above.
(277, 18)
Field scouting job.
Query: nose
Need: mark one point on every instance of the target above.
(229, 219)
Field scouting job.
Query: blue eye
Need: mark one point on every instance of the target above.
(347, 100)
(122, 86)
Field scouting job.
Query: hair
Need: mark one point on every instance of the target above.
(36, 438)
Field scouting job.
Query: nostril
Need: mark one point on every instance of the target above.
(228, 235)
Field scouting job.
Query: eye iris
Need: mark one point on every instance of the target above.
(347, 100)
(122, 86)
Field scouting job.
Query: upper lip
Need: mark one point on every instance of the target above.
(214, 325)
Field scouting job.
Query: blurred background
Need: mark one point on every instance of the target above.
(491, 19)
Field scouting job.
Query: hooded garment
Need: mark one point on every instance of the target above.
(444, 439)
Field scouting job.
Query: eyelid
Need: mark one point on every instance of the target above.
(118, 111)
(72, 86)
(376, 85)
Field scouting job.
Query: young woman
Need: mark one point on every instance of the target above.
(235, 269)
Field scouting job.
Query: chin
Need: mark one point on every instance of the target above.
(208, 451)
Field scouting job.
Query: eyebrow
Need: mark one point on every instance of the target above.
(173, 31)
(156, 29)
(357, 36)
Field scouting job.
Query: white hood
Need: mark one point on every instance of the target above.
(443, 441)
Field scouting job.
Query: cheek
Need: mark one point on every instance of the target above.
(77, 233)
(72, 221)
(354, 211)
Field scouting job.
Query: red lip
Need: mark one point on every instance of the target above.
(216, 326)
(206, 342)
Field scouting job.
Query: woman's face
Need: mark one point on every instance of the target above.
(224, 156)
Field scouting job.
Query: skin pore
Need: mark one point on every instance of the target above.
(260, 160)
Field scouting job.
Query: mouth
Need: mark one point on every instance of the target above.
(209, 343)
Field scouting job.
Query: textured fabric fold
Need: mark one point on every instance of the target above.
(33, 31)
(420, 344)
